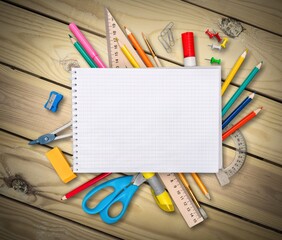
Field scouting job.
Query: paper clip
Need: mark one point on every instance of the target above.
(166, 37)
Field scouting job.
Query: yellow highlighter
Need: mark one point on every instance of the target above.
(127, 54)
(233, 71)
(160, 194)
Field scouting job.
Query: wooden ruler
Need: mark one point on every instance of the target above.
(182, 199)
(116, 57)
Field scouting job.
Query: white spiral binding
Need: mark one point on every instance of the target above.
(74, 120)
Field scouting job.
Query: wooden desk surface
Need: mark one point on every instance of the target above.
(36, 57)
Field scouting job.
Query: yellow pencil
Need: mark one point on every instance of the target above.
(201, 185)
(233, 71)
(128, 55)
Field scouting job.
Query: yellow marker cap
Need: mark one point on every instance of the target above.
(164, 201)
(60, 164)
(148, 175)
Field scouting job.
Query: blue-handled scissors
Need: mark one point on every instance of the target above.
(124, 189)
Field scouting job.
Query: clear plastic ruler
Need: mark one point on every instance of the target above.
(225, 174)
(116, 57)
(182, 199)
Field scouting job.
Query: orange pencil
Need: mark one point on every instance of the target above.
(201, 185)
(240, 123)
(138, 48)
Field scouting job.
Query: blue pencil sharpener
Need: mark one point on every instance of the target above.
(53, 101)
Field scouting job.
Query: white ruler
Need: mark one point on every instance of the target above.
(116, 56)
(182, 199)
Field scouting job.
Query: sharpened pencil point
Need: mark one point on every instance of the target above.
(259, 65)
(126, 30)
(252, 95)
(64, 198)
(258, 110)
(70, 36)
(208, 196)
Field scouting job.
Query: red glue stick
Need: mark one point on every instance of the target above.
(188, 49)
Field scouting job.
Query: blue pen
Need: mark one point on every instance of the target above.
(241, 88)
(237, 110)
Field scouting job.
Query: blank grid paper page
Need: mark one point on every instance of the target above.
(147, 120)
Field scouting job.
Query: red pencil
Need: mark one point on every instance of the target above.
(240, 123)
(85, 185)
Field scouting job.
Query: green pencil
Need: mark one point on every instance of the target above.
(82, 52)
(241, 88)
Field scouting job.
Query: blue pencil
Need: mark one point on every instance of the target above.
(237, 110)
(241, 88)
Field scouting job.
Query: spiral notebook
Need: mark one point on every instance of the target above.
(147, 120)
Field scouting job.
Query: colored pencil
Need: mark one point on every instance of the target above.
(86, 45)
(186, 184)
(138, 48)
(241, 88)
(85, 185)
(242, 122)
(237, 110)
(82, 52)
(233, 71)
(127, 54)
(151, 51)
(201, 185)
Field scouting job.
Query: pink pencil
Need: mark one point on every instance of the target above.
(86, 45)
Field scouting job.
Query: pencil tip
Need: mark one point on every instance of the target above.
(259, 65)
(258, 110)
(252, 95)
(126, 30)
(208, 196)
(64, 198)
(70, 36)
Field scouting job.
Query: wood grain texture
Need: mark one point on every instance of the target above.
(143, 219)
(265, 14)
(35, 40)
(186, 17)
(19, 222)
(22, 112)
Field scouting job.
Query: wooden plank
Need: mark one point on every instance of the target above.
(151, 20)
(143, 219)
(19, 221)
(23, 113)
(263, 13)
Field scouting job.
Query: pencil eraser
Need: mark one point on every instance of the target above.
(60, 164)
